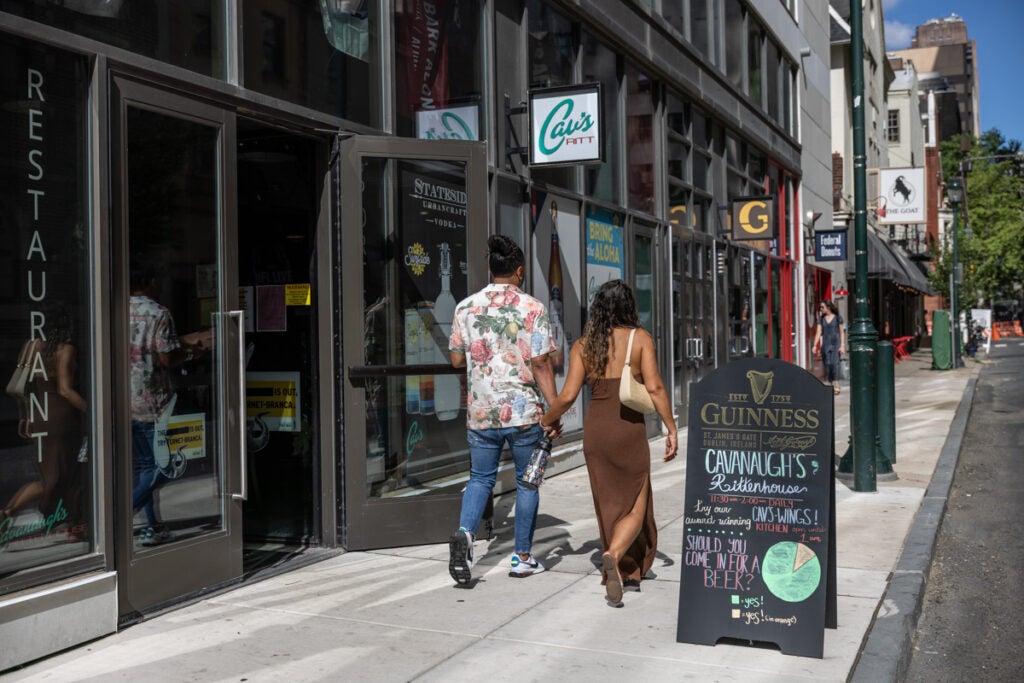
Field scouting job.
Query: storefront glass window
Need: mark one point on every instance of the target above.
(415, 271)
(640, 104)
(553, 44)
(438, 70)
(321, 54)
(734, 41)
(601, 65)
(510, 63)
(185, 34)
(46, 452)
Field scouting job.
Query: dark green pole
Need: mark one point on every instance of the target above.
(863, 334)
(955, 283)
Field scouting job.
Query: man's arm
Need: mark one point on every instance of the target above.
(544, 376)
(458, 359)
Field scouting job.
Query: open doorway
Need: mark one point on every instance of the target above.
(279, 185)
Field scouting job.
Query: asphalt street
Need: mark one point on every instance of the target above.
(969, 628)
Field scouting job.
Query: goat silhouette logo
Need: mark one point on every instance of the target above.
(902, 191)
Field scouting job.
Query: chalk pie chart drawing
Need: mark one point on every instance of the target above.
(791, 571)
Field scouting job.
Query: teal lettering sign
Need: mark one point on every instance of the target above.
(453, 123)
(565, 125)
(560, 126)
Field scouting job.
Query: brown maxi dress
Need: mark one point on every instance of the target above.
(619, 464)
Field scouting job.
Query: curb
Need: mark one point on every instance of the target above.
(889, 639)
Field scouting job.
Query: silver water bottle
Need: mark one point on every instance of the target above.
(534, 474)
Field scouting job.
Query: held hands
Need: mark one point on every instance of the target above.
(552, 431)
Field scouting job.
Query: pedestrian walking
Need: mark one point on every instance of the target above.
(615, 444)
(502, 336)
(830, 339)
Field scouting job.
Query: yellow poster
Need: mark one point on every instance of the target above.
(185, 436)
(272, 398)
(296, 295)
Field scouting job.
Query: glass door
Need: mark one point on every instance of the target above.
(412, 244)
(178, 350)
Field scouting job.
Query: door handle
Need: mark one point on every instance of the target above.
(242, 450)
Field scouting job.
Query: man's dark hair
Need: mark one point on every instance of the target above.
(503, 255)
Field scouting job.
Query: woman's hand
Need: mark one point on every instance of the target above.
(670, 447)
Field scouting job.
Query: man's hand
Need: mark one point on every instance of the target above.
(552, 431)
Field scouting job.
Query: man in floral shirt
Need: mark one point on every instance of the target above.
(154, 349)
(503, 337)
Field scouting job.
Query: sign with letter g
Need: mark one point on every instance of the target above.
(753, 218)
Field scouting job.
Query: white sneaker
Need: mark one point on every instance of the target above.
(522, 568)
(460, 560)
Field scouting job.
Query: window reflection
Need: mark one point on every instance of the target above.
(320, 54)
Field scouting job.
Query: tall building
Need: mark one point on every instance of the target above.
(946, 62)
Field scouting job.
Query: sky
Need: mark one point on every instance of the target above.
(995, 26)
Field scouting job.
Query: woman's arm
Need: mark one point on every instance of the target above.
(570, 390)
(66, 377)
(656, 388)
(817, 336)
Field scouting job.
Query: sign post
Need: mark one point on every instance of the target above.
(759, 521)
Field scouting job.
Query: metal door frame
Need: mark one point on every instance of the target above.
(168, 573)
(365, 522)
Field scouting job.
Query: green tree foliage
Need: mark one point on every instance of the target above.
(991, 234)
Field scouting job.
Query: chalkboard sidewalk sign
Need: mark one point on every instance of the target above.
(759, 521)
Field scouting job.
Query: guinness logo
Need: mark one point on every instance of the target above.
(760, 385)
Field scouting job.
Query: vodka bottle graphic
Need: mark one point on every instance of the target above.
(555, 304)
(447, 388)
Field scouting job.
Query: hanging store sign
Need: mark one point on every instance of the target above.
(452, 123)
(830, 245)
(753, 218)
(566, 125)
(903, 191)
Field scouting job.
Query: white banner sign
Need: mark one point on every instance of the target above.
(453, 123)
(565, 125)
(902, 193)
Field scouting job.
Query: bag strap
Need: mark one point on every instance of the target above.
(629, 347)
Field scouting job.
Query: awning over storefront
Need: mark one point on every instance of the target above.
(887, 262)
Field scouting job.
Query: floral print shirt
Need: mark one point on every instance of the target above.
(500, 328)
(152, 332)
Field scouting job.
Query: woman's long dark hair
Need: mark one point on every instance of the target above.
(613, 306)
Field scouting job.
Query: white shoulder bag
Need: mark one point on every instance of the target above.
(633, 394)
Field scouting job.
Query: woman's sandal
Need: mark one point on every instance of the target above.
(612, 581)
(835, 390)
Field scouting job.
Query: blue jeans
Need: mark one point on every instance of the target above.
(146, 478)
(485, 447)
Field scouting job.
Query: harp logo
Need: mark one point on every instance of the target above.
(760, 385)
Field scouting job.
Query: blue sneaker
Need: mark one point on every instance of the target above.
(522, 568)
(460, 561)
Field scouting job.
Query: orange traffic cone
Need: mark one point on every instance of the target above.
(995, 333)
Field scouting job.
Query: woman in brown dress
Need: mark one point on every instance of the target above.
(615, 442)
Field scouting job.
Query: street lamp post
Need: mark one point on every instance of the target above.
(955, 195)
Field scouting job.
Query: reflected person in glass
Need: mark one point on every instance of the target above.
(154, 351)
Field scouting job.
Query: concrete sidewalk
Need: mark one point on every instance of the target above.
(394, 615)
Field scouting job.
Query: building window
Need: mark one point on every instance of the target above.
(553, 46)
(47, 459)
(734, 57)
(186, 34)
(438, 70)
(327, 54)
(600, 64)
(892, 129)
(677, 158)
(640, 106)
(755, 62)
